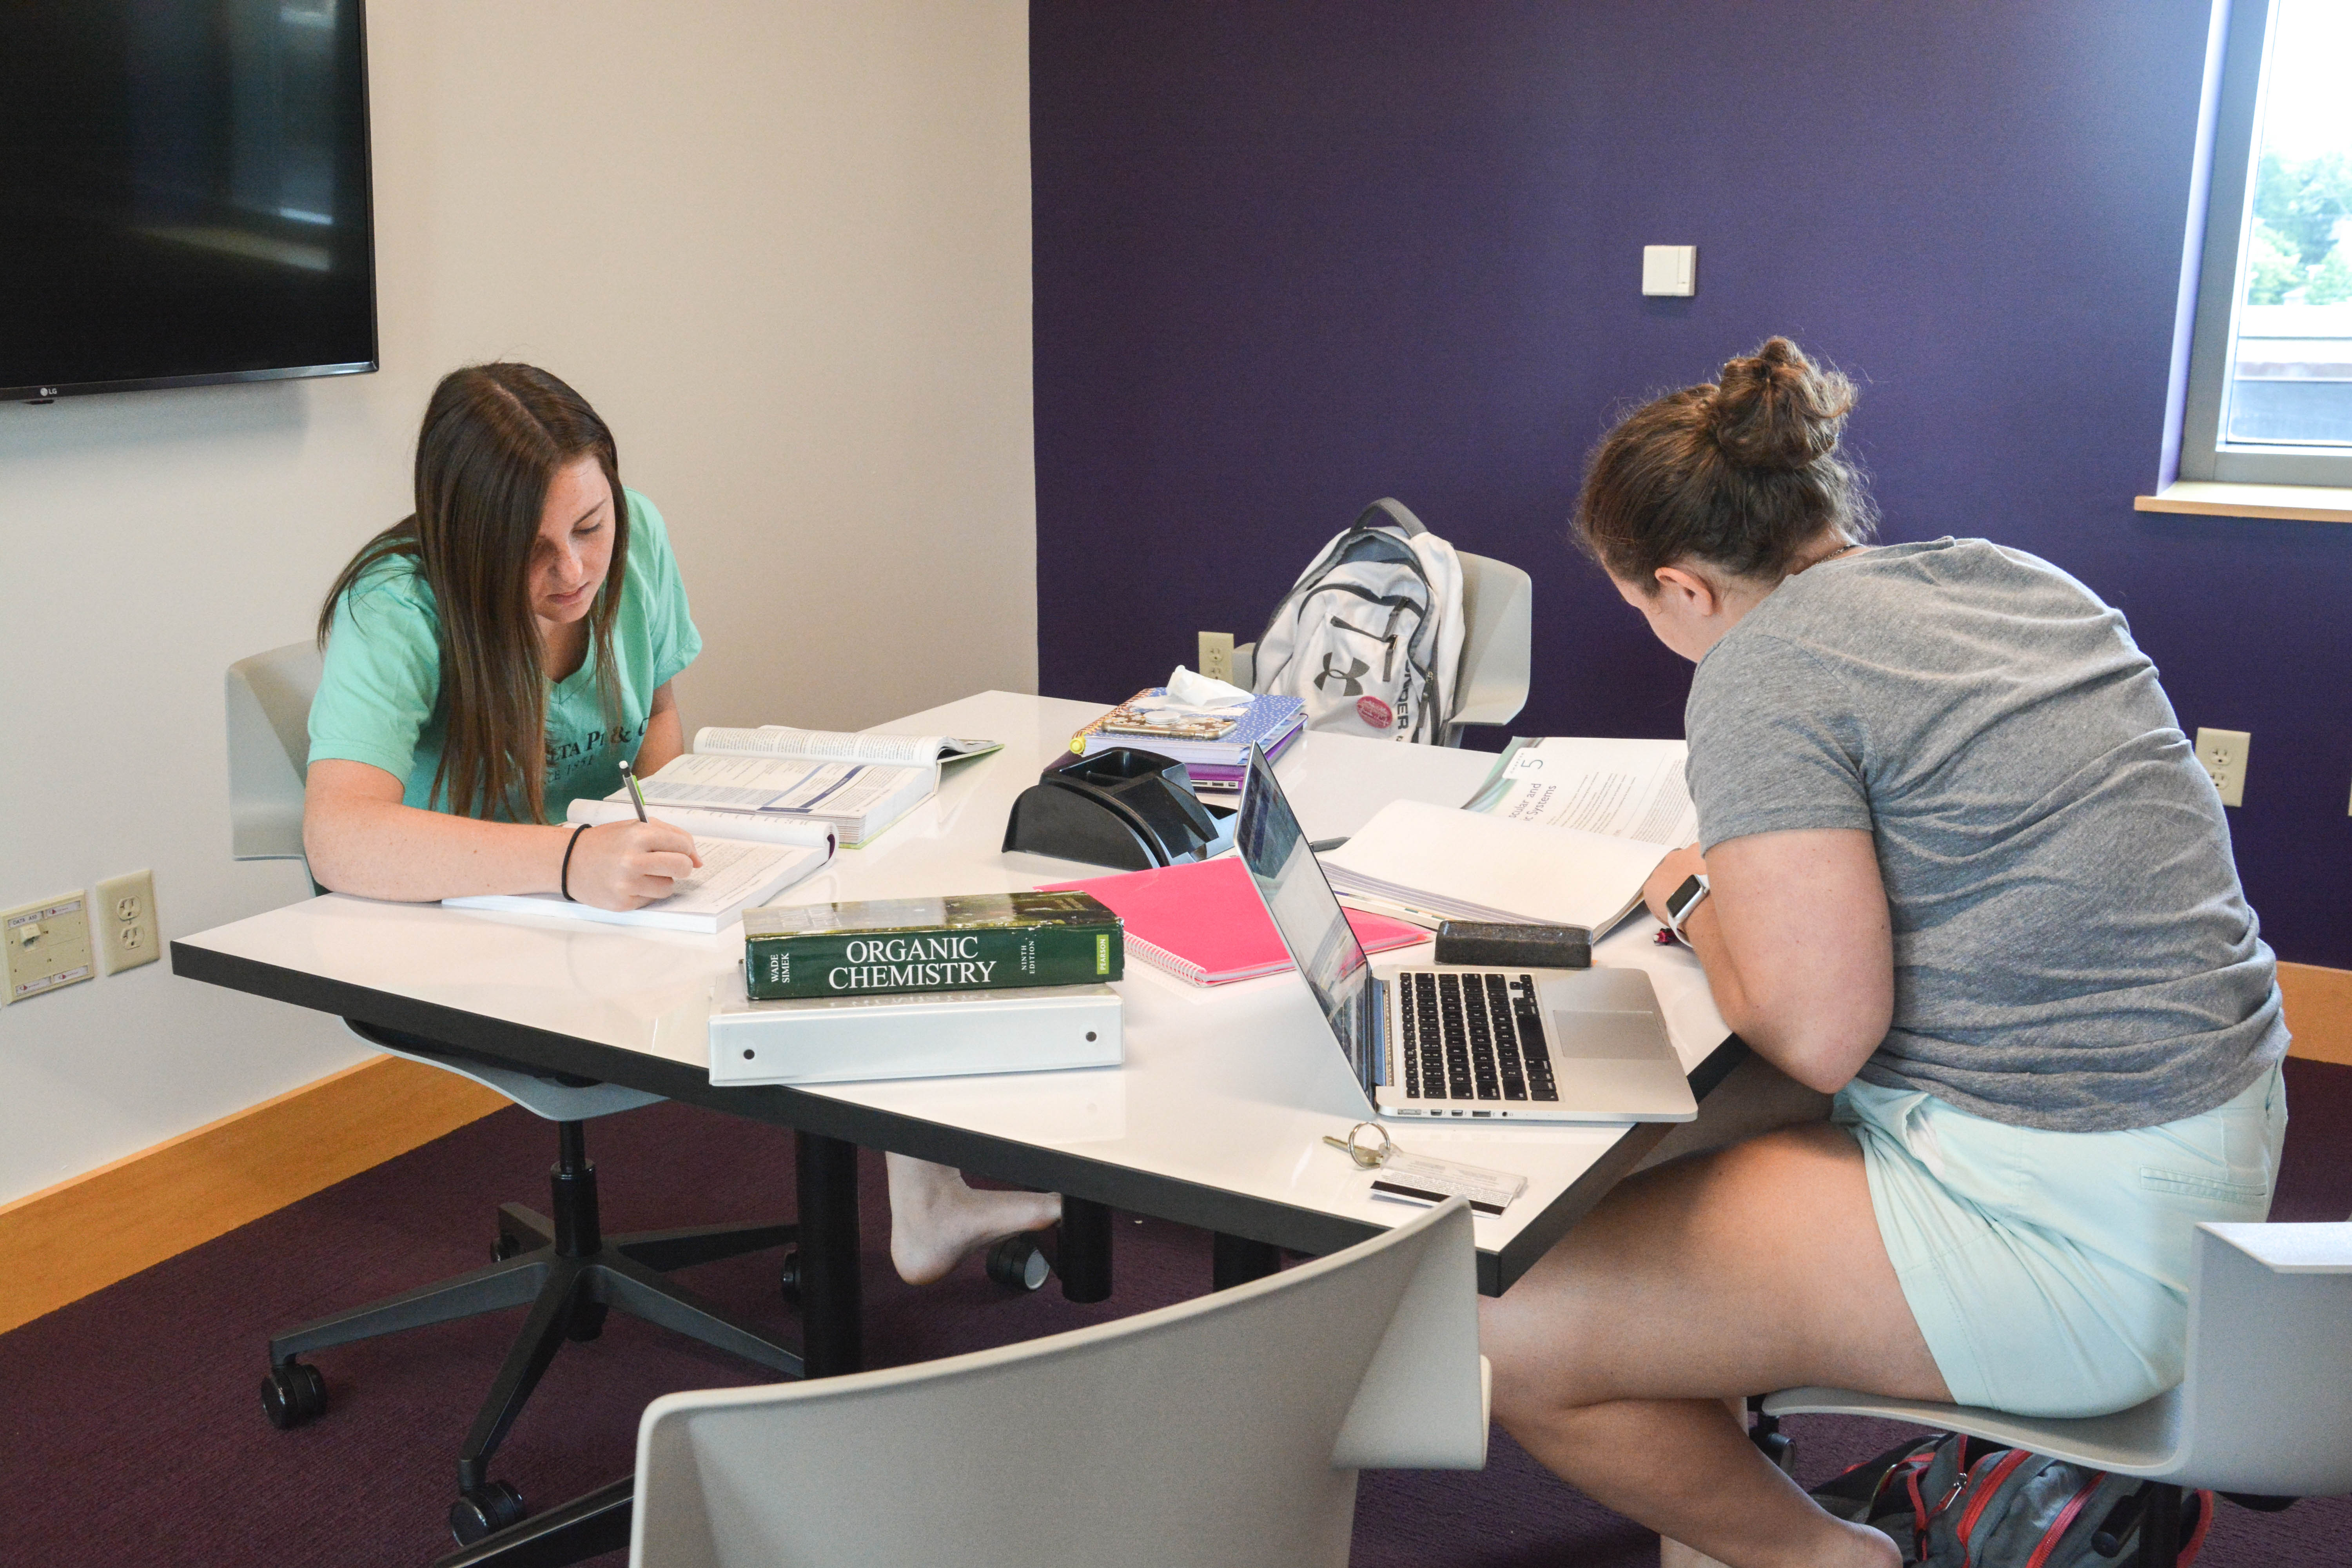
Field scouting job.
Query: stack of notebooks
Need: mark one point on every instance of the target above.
(891, 988)
(1205, 923)
(1212, 743)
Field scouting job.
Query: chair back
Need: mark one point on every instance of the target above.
(2266, 1405)
(1498, 625)
(269, 750)
(1222, 1431)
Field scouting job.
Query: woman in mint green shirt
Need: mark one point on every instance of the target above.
(494, 656)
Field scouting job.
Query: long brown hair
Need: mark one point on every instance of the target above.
(494, 436)
(1743, 473)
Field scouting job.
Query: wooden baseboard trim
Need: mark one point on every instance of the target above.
(64, 1242)
(2318, 1011)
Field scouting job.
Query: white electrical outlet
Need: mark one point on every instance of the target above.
(2223, 753)
(128, 933)
(1216, 656)
(48, 943)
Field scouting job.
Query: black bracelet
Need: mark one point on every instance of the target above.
(563, 882)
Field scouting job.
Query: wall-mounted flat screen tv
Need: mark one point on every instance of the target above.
(184, 194)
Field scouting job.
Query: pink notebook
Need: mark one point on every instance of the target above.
(1205, 923)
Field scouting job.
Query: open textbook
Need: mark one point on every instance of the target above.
(842, 745)
(1564, 830)
(733, 780)
(1624, 789)
(735, 873)
(1429, 863)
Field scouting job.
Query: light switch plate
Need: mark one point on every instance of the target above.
(2223, 753)
(127, 934)
(1670, 269)
(48, 943)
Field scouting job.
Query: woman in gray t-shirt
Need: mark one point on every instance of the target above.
(1961, 871)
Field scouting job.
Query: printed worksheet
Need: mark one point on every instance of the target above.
(1624, 789)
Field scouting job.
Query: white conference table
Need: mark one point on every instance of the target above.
(1215, 1118)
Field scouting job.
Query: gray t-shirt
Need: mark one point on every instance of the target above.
(2072, 950)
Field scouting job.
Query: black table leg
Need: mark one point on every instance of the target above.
(832, 1336)
(2159, 1528)
(1082, 1256)
(1237, 1260)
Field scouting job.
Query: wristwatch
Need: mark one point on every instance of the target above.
(1683, 901)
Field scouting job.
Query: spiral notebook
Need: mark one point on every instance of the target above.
(1205, 923)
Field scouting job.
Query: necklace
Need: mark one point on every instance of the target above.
(1833, 555)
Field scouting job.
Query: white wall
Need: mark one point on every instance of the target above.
(783, 248)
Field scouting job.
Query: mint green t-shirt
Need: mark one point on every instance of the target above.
(379, 699)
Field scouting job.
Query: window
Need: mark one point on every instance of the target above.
(2270, 387)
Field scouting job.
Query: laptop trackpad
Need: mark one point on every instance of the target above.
(1607, 1036)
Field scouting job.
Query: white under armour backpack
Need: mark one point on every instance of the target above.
(1370, 635)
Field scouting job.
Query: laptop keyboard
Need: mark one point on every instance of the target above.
(1473, 1036)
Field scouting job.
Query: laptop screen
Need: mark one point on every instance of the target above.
(1307, 916)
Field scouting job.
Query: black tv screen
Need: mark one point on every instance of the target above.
(184, 194)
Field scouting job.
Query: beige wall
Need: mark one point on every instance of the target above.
(784, 249)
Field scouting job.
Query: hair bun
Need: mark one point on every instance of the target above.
(1775, 409)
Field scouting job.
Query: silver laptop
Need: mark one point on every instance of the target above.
(1532, 1045)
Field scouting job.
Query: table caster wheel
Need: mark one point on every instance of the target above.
(506, 1247)
(293, 1394)
(788, 1279)
(1018, 1263)
(587, 1321)
(483, 1511)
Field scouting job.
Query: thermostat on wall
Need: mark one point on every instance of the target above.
(1670, 269)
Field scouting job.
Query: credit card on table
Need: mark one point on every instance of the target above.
(1418, 1178)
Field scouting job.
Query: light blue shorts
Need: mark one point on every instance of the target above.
(2049, 1271)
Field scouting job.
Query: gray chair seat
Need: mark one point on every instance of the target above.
(2264, 1406)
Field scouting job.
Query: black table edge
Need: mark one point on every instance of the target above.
(1207, 1208)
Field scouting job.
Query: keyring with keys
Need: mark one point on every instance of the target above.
(1366, 1159)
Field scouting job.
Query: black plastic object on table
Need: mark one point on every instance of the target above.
(1126, 808)
(1497, 946)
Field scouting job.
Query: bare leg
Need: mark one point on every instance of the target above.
(936, 1220)
(1754, 1267)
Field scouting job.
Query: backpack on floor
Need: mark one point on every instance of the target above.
(1952, 1502)
(1370, 635)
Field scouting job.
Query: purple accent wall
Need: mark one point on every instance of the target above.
(1293, 257)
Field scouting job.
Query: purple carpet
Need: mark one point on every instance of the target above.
(131, 1433)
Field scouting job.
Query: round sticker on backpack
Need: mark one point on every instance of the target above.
(1375, 712)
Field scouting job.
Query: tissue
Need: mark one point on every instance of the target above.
(1189, 688)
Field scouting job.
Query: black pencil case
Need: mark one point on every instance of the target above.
(1500, 946)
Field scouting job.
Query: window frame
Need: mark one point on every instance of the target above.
(2228, 220)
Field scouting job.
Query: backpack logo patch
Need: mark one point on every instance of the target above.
(1375, 712)
(1355, 668)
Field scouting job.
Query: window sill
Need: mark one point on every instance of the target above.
(2311, 503)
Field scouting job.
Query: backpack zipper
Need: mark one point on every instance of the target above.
(1387, 644)
(2002, 1469)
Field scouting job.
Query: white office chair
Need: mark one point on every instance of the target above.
(1490, 686)
(561, 1266)
(2263, 1415)
(1225, 1431)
